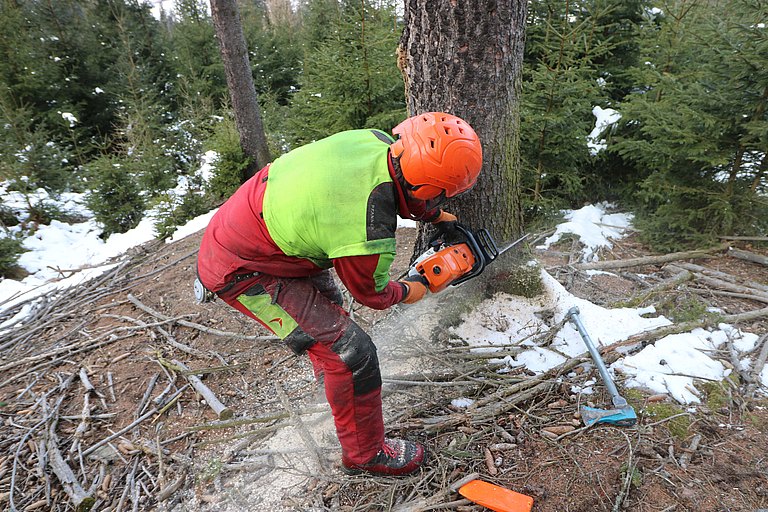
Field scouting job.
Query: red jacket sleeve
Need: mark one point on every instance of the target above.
(356, 272)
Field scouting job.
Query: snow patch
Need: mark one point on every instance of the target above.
(604, 119)
(594, 227)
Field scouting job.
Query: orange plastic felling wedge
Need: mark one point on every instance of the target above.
(495, 497)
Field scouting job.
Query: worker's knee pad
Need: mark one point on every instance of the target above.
(356, 349)
(299, 341)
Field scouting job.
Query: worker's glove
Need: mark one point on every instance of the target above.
(446, 226)
(417, 287)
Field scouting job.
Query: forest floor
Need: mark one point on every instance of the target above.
(90, 393)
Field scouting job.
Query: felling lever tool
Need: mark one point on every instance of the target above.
(492, 496)
(457, 257)
(623, 414)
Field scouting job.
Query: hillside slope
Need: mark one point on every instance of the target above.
(92, 378)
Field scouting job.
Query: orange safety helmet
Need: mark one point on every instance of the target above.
(439, 154)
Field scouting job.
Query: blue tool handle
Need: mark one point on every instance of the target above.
(618, 400)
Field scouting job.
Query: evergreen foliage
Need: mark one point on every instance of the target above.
(10, 250)
(275, 53)
(562, 81)
(99, 96)
(695, 130)
(350, 80)
(175, 211)
(230, 161)
(115, 197)
(200, 85)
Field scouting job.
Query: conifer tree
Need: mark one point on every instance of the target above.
(695, 132)
(562, 83)
(200, 82)
(350, 80)
(143, 105)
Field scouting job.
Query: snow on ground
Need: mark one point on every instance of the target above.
(62, 255)
(594, 227)
(667, 366)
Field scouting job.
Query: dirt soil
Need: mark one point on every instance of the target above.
(176, 461)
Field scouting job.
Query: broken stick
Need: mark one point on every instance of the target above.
(685, 458)
(81, 500)
(223, 412)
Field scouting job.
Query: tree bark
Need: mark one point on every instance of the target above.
(465, 58)
(234, 53)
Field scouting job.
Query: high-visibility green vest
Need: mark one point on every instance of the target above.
(334, 198)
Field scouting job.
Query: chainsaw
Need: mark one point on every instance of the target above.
(457, 257)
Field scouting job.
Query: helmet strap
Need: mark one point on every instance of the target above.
(407, 207)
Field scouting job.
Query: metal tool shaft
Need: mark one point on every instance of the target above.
(618, 400)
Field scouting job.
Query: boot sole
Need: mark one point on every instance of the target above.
(351, 471)
(356, 471)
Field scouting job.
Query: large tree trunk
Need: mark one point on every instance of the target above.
(465, 57)
(234, 53)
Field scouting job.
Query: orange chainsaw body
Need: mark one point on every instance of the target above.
(446, 266)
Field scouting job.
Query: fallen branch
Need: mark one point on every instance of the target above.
(194, 325)
(748, 256)
(720, 284)
(435, 501)
(168, 336)
(667, 284)
(698, 269)
(174, 486)
(309, 441)
(759, 365)
(648, 337)
(125, 429)
(685, 458)
(721, 293)
(501, 400)
(222, 411)
(745, 238)
(649, 260)
(81, 500)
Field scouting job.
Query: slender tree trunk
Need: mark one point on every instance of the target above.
(234, 53)
(465, 58)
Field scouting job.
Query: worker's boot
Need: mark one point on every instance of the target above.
(396, 457)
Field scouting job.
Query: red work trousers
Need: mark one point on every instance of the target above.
(305, 313)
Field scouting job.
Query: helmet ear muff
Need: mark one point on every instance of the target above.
(426, 192)
(397, 148)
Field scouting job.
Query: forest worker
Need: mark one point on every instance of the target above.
(268, 251)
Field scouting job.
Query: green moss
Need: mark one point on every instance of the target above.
(636, 476)
(683, 308)
(755, 421)
(519, 278)
(634, 397)
(211, 470)
(678, 427)
(717, 395)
